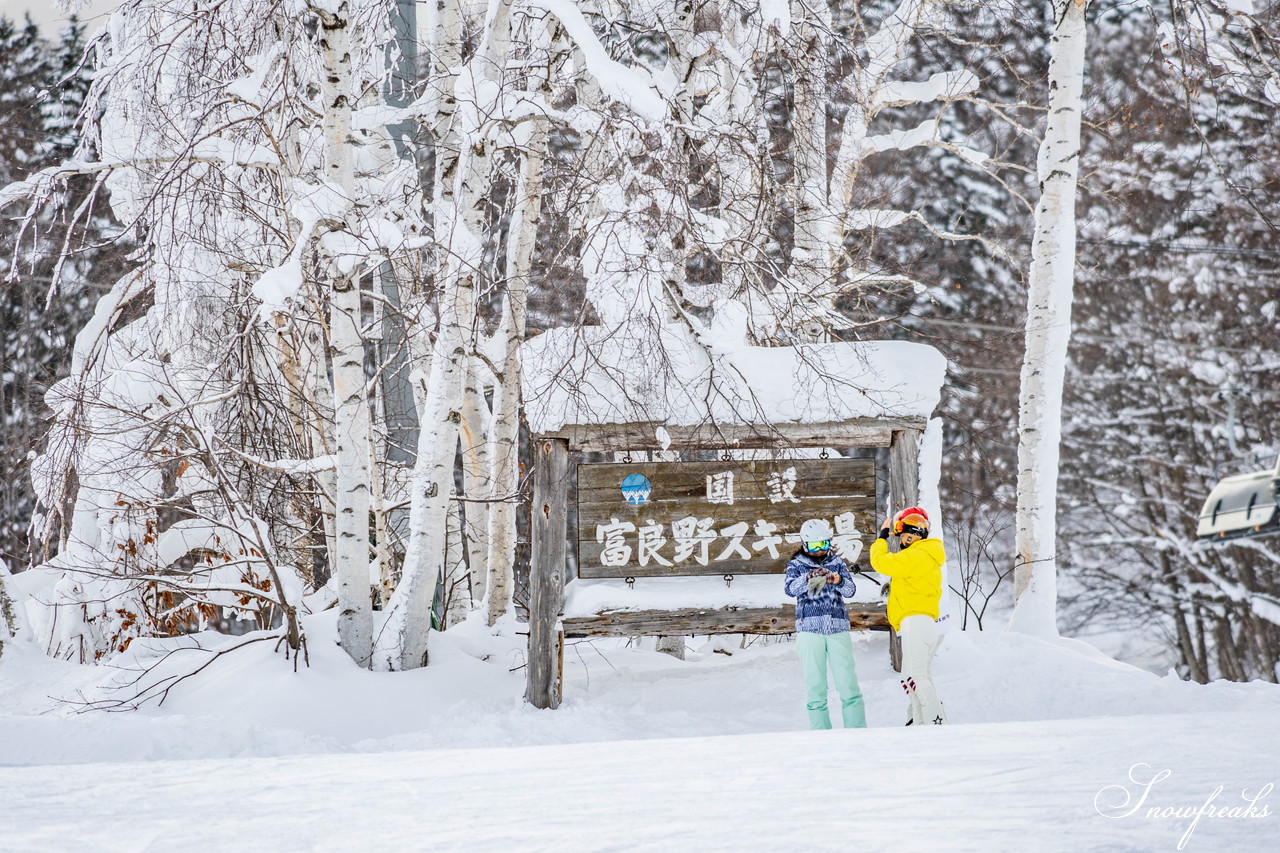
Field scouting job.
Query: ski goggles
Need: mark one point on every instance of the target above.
(823, 545)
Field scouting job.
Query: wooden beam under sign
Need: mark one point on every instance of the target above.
(698, 620)
(859, 432)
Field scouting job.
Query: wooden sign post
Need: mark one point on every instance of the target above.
(719, 518)
(546, 582)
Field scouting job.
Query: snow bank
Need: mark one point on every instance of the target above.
(251, 702)
(1042, 729)
(999, 788)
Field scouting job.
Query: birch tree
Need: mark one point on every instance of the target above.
(8, 626)
(1048, 329)
(473, 111)
(505, 424)
(708, 166)
(133, 435)
(1175, 310)
(869, 76)
(350, 403)
(201, 384)
(459, 181)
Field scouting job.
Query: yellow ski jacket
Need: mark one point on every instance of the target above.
(915, 573)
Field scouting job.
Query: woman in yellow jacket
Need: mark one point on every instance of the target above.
(915, 592)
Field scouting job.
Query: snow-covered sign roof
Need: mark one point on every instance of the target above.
(603, 375)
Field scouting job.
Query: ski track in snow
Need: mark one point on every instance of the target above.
(646, 753)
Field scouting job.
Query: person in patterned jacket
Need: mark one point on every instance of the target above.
(819, 580)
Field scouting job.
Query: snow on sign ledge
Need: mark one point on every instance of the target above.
(591, 597)
(603, 375)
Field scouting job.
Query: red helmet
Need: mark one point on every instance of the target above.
(913, 519)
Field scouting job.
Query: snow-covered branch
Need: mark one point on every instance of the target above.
(631, 85)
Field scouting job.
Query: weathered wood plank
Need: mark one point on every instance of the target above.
(725, 547)
(596, 511)
(546, 578)
(754, 478)
(860, 432)
(692, 620)
(744, 520)
(724, 550)
(904, 469)
(611, 501)
(611, 493)
(904, 491)
(661, 546)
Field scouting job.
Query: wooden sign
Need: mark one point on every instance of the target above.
(659, 519)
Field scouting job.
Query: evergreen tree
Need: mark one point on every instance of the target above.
(24, 68)
(25, 65)
(70, 79)
(42, 88)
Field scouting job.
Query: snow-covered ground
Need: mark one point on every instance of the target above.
(646, 753)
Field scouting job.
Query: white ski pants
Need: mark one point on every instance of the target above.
(920, 640)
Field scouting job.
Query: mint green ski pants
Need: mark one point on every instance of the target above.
(816, 650)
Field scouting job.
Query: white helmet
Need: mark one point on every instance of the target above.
(815, 530)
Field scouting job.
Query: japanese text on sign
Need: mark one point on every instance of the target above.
(624, 543)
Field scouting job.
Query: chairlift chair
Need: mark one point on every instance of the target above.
(1242, 506)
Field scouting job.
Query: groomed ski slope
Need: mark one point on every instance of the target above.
(647, 753)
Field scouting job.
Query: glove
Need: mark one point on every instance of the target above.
(817, 582)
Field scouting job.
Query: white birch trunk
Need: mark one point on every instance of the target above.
(384, 562)
(351, 410)
(674, 248)
(504, 428)
(457, 585)
(742, 185)
(810, 269)
(1048, 330)
(446, 55)
(884, 50)
(821, 203)
(478, 422)
(316, 412)
(477, 476)
(300, 360)
(504, 449)
(8, 621)
(403, 642)
(462, 162)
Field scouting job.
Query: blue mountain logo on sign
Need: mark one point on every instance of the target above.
(636, 489)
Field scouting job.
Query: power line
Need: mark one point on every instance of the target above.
(1094, 338)
(1185, 248)
(1108, 380)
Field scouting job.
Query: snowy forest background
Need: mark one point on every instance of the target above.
(191, 310)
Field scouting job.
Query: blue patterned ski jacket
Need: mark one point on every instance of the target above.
(825, 612)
